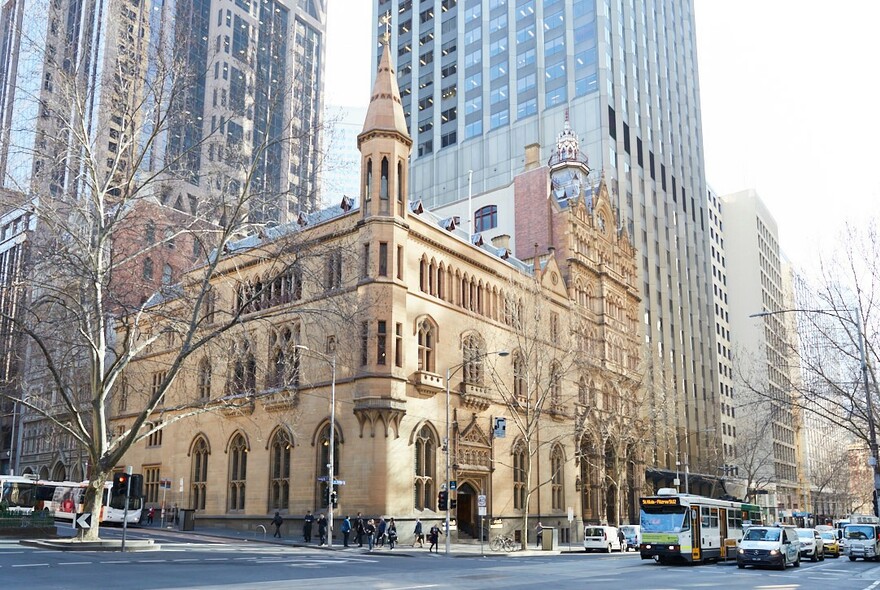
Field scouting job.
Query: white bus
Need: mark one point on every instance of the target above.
(690, 528)
(24, 494)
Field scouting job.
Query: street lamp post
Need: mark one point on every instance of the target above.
(450, 371)
(863, 362)
(331, 359)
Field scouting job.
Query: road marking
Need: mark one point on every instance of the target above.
(116, 561)
(187, 559)
(30, 564)
(74, 563)
(216, 559)
(415, 587)
(151, 560)
(872, 586)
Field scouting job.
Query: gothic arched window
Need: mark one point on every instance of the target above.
(425, 475)
(279, 471)
(238, 453)
(427, 339)
(199, 474)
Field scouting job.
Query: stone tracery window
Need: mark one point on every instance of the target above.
(279, 471)
(473, 358)
(199, 474)
(519, 476)
(427, 341)
(425, 469)
(238, 453)
(557, 466)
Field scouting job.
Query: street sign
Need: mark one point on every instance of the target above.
(339, 482)
(453, 484)
(570, 514)
(481, 501)
(165, 484)
(500, 429)
(84, 520)
(481, 511)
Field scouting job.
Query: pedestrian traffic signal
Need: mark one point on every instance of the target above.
(453, 503)
(442, 498)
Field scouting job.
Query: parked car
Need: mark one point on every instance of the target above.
(633, 534)
(812, 544)
(832, 543)
(769, 545)
(601, 538)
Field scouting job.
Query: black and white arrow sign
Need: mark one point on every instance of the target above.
(84, 520)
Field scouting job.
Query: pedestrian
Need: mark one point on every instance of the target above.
(307, 526)
(173, 515)
(380, 532)
(346, 530)
(277, 521)
(391, 531)
(322, 530)
(434, 538)
(176, 516)
(151, 514)
(418, 535)
(370, 532)
(359, 529)
(622, 538)
(539, 533)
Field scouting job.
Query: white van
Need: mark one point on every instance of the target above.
(633, 535)
(862, 540)
(769, 545)
(601, 538)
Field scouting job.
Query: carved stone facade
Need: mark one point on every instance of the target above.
(397, 298)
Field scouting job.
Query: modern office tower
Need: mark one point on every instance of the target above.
(482, 79)
(234, 81)
(16, 224)
(766, 435)
(723, 348)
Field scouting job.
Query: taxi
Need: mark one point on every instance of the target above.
(832, 543)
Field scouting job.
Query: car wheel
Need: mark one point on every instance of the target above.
(822, 556)
(852, 558)
(741, 566)
(814, 557)
(782, 564)
(798, 562)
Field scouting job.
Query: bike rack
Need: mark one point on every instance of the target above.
(259, 526)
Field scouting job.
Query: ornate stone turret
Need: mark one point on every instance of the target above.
(568, 166)
(385, 146)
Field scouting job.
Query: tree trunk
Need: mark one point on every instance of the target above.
(92, 503)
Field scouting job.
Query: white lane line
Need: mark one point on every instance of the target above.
(117, 561)
(29, 564)
(74, 563)
(216, 559)
(181, 560)
(872, 586)
(151, 560)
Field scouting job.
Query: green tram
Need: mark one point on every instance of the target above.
(685, 527)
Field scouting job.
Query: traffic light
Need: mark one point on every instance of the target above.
(453, 503)
(442, 498)
(120, 483)
(331, 497)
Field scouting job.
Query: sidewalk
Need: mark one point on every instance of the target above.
(469, 549)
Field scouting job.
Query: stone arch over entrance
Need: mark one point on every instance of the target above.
(466, 510)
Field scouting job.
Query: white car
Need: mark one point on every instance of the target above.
(602, 538)
(812, 544)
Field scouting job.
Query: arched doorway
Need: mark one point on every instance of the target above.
(466, 511)
(59, 473)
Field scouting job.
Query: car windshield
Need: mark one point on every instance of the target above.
(805, 533)
(829, 535)
(756, 534)
(628, 530)
(859, 533)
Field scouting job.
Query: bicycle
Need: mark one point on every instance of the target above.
(502, 543)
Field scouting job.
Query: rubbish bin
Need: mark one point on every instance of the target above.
(187, 519)
(549, 539)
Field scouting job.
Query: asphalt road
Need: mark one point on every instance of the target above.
(209, 563)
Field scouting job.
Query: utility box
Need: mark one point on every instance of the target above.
(187, 519)
(549, 539)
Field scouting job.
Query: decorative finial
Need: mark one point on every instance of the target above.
(385, 19)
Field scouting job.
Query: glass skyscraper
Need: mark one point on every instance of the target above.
(482, 79)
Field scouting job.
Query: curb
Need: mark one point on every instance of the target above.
(133, 546)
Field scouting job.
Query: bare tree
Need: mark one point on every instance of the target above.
(112, 167)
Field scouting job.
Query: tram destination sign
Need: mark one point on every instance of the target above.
(660, 502)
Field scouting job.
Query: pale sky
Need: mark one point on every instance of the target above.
(790, 107)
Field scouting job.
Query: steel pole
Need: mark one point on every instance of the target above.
(128, 471)
(872, 431)
(448, 443)
(332, 449)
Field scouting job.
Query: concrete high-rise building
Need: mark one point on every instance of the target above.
(236, 88)
(766, 427)
(482, 79)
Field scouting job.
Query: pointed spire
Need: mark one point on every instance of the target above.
(385, 112)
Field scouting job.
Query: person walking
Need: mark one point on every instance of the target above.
(539, 534)
(434, 538)
(322, 530)
(307, 526)
(151, 514)
(418, 535)
(622, 538)
(370, 532)
(277, 521)
(380, 532)
(345, 527)
(359, 529)
(391, 531)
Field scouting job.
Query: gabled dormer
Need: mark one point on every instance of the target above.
(385, 146)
